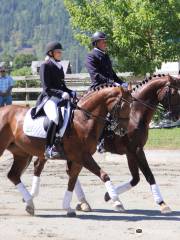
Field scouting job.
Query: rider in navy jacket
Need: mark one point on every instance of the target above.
(52, 80)
(55, 93)
(100, 69)
(99, 64)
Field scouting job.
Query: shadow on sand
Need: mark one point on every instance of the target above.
(132, 215)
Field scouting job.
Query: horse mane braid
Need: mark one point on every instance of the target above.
(146, 80)
(97, 88)
(103, 85)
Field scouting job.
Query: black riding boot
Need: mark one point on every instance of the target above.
(50, 151)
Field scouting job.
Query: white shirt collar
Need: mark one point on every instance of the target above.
(99, 50)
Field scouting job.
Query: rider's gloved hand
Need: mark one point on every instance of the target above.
(73, 94)
(65, 96)
(124, 85)
(116, 84)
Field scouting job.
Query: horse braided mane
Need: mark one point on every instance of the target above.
(146, 80)
(97, 88)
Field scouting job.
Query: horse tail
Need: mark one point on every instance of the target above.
(5, 130)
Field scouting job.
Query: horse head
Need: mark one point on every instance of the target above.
(169, 97)
(109, 103)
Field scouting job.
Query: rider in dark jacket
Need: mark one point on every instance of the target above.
(100, 69)
(54, 92)
(98, 62)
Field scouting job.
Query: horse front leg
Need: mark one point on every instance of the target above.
(83, 204)
(92, 166)
(143, 165)
(133, 167)
(73, 172)
(38, 167)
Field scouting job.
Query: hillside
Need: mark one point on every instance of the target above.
(26, 26)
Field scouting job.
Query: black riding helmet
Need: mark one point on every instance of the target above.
(98, 36)
(51, 46)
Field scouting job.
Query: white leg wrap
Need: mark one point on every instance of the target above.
(79, 191)
(35, 186)
(111, 190)
(22, 189)
(156, 193)
(123, 187)
(67, 200)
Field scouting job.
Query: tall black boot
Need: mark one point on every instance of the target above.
(50, 151)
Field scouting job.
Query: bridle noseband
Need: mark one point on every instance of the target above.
(168, 98)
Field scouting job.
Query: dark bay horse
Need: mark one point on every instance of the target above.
(147, 95)
(79, 143)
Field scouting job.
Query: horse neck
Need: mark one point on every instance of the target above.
(95, 102)
(147, 96)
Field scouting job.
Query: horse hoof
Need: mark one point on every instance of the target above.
(106, 197)
(30, 208)
(71, 213)
(84, 207)
(165, 209)
(118, 207)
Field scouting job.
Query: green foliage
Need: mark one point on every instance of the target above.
(28, 25)
(159, 114)
(23, 71)
(23, 60)
(141, 33)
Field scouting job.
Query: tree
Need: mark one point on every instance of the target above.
(23, 60)
(141, 33)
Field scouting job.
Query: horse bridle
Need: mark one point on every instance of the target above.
(170, 108)
(106, 119)
(167, 95)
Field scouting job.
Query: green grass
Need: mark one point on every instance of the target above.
(163, 139)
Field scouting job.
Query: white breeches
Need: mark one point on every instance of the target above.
(50, 108)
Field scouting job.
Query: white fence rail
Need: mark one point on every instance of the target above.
(78, 82)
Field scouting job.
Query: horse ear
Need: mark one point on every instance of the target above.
(130, 86)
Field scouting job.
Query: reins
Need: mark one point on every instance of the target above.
(143, 103)
(100, 118)
(89, 114)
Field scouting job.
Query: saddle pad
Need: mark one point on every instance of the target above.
(34, 127)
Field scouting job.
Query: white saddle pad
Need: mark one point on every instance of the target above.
(34, 127)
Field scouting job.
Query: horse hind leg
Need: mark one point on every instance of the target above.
(21, 161)
(73, 172)
(38, 167)
(83, 204)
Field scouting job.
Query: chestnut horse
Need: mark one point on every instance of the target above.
(79, 142)
(159, 89)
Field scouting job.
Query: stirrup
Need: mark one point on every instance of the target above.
(100, 146)
(51, 153)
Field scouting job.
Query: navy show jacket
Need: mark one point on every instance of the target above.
(100, 68)
(52, 81)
